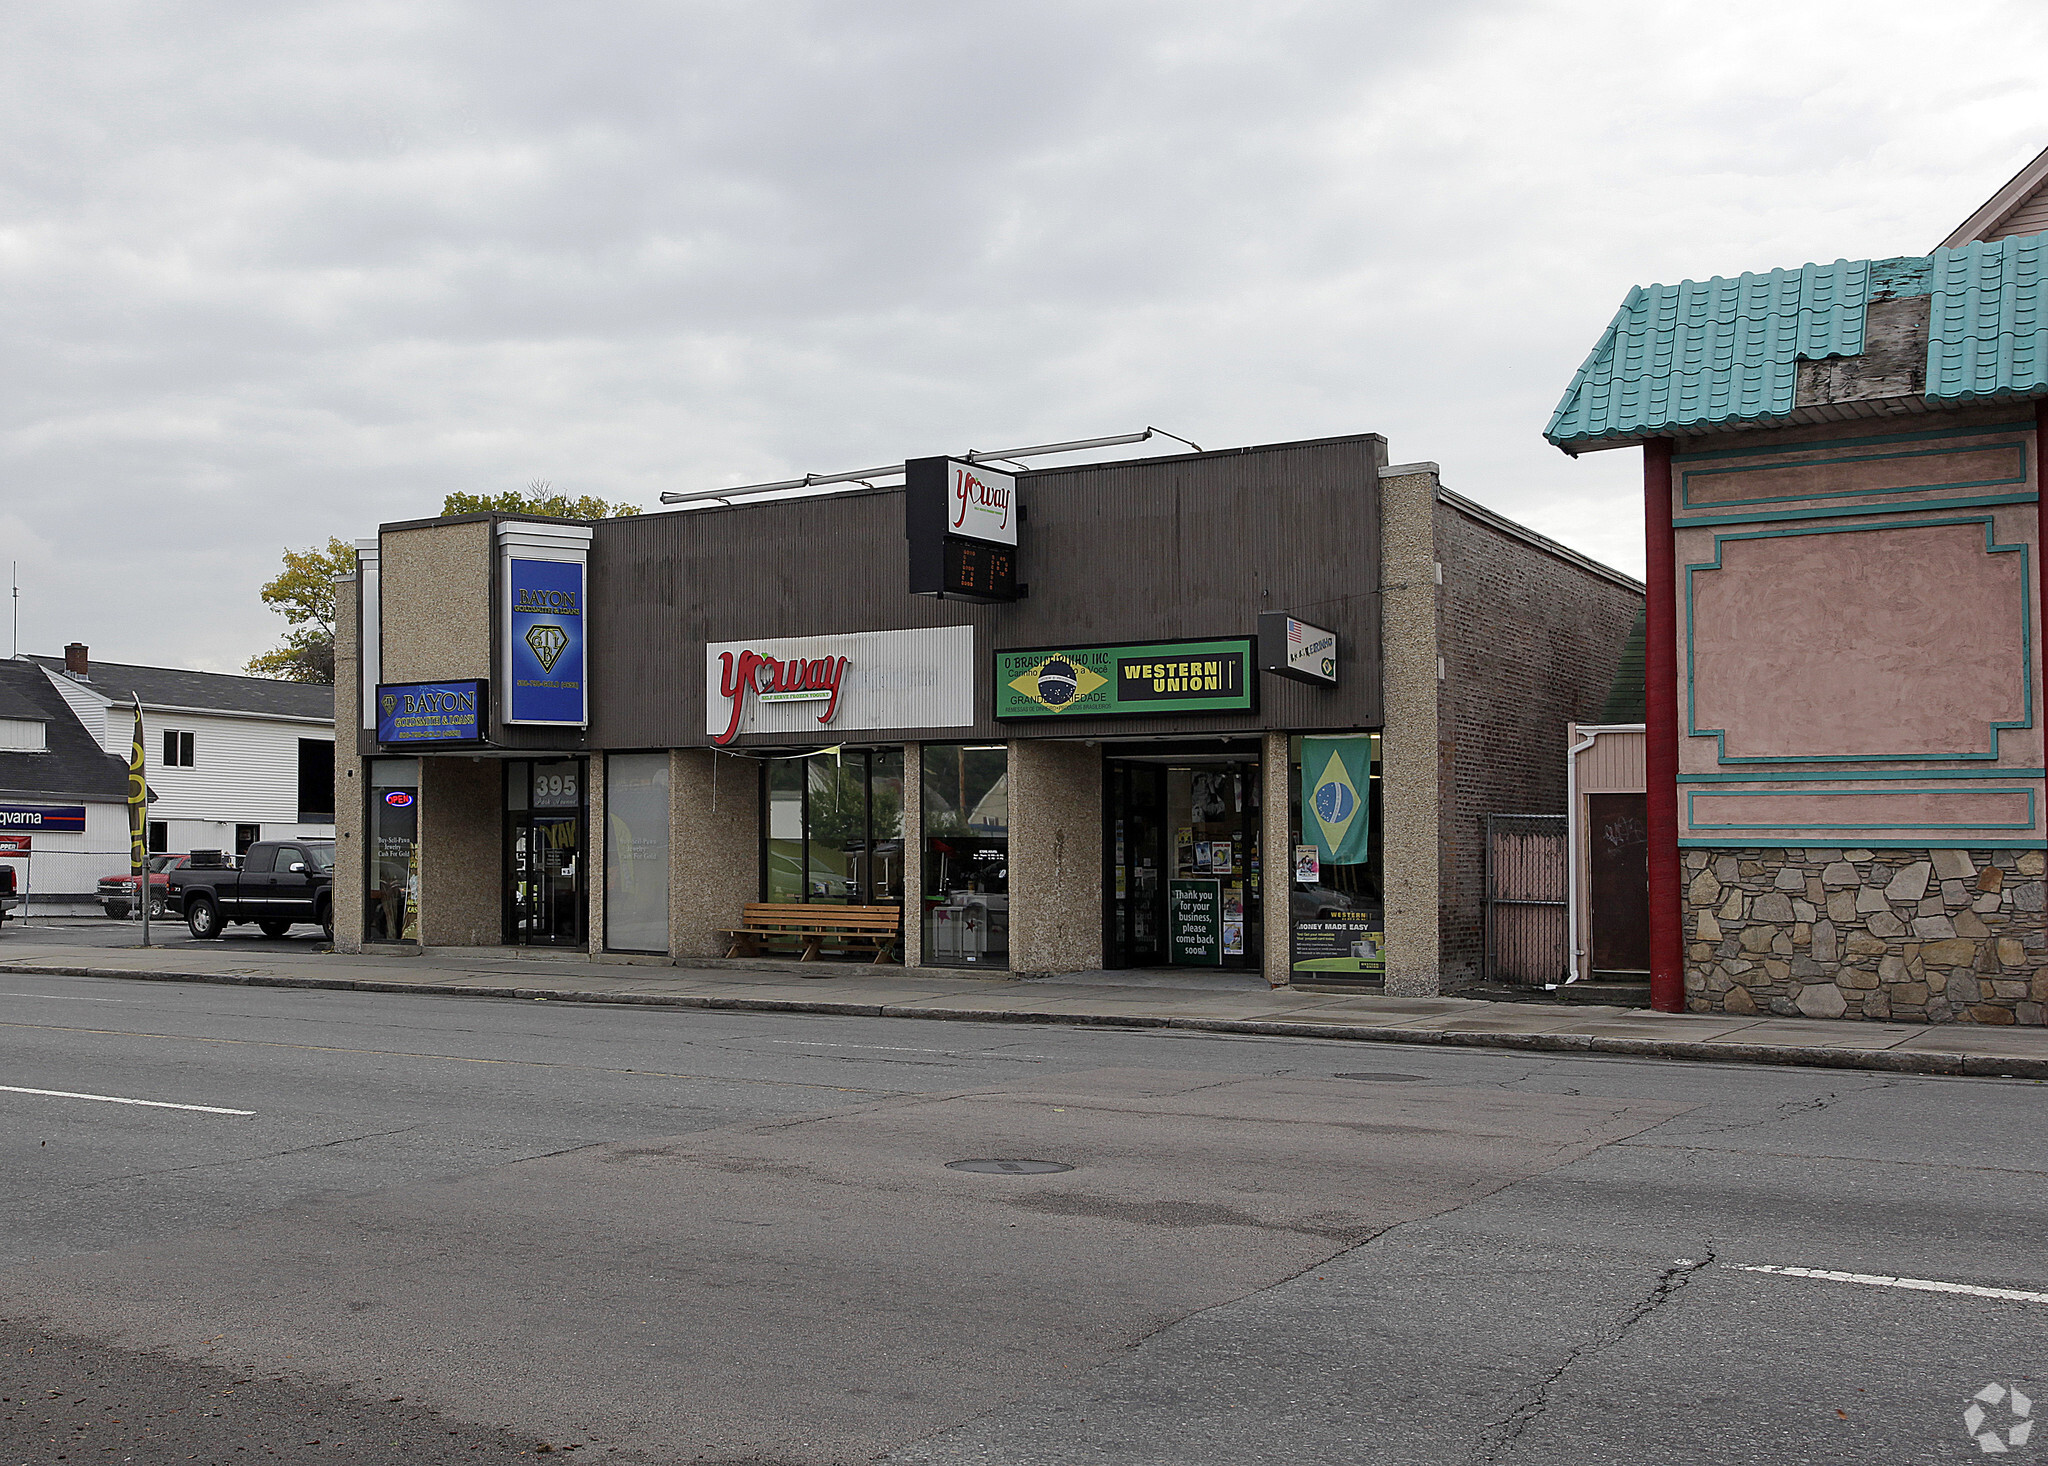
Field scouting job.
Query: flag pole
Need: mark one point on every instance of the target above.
(138, 814)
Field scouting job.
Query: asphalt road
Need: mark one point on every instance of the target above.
(388, 1227)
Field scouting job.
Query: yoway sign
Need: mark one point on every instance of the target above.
(747, 673)
(981, 503)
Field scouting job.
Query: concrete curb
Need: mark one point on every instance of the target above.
(1809, 1056)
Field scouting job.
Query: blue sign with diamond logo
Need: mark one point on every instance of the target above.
(546, 643)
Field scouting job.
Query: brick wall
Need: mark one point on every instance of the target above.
(1530, 640)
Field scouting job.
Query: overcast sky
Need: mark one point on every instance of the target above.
(270, 273)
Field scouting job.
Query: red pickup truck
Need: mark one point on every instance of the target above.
(117, 893)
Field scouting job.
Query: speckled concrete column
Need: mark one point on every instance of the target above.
(1276, 875)
(437, 602)
(1055, 856)
(913, 855)
(1409, 752)
(462, 852)
(593, 851)
(714, 854)
(349, 851)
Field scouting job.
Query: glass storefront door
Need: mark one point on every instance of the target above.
(545, 897)
(1185, 871)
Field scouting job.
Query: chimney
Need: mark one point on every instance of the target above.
(74, 659)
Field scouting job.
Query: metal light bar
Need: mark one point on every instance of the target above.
(809, 480)
(862, 475)
(977, 455)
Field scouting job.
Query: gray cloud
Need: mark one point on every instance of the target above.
(273, 273)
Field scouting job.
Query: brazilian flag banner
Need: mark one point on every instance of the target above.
(1334, 782)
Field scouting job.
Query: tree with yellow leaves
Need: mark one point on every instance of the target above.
(303, 594)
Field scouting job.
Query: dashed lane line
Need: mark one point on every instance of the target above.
(1882, 1280)
(115, 1099)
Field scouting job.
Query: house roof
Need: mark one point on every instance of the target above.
(2021, 207)
(74, 765)
(1725, 352)
(215, 692)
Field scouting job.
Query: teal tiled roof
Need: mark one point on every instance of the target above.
(1727, 351)
(1988, 333)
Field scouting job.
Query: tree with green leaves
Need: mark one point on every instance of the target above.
(303, 594)
(538, 498)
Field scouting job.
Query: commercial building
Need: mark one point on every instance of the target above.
(1843, 686)
(1062, 718)
(230, 760)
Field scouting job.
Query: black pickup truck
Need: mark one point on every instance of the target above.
(281, 882)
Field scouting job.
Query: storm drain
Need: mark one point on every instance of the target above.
(1008, 1168)
(1381, 1077)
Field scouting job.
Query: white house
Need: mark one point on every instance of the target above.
(230, 760)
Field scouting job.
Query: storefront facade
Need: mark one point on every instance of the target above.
(1181, 711)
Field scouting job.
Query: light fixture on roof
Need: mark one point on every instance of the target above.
(862, 476)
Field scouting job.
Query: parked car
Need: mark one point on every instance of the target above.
(281, 883)
(117, 893)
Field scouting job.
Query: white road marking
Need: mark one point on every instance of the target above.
(63, 997)
(815, 1043)
(115, 1099)
(1917, 1285)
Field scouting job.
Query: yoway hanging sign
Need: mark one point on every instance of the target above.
(981, 503)
(805, 685)
(961, 522)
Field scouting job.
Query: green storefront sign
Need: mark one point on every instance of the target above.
(1194, 923)
(1122, 680)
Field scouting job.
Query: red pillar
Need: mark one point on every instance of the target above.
(1660, 698)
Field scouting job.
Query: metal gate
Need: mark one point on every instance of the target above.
(1526, 890)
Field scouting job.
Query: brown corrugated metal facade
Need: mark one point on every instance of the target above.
(1184, 547)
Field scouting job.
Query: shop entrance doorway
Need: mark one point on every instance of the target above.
(1183, 867)
(546, 900)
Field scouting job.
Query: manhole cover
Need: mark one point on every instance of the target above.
(1009, 1168)
(1383, 1078)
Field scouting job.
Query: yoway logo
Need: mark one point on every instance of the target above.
(769, 679)
(971, 491)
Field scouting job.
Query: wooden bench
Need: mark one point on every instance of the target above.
(816, 926)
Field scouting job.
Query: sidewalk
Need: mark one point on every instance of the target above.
(1101, 998)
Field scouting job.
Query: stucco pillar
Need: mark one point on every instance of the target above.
(1055, 856)
(913, 855)
(1411, 858)
(714, 853)
(350, 853)
(1660, 720)
(1276, 873)
(593, 852)
(462, 852)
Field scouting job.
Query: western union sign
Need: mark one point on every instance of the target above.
(1120, 681)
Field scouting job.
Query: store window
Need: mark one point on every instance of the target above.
(392, 910)
(834, 827)
(967, 854)
(1336, 899)
(636, 825)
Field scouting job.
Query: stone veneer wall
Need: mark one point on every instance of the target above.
(1915, 935)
